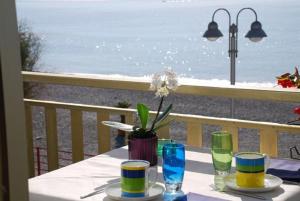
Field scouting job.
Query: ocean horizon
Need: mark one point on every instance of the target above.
(136, 38)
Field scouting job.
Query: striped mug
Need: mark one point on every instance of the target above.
(135, 178)
(250, 169)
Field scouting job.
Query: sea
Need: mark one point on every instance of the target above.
(136, 38)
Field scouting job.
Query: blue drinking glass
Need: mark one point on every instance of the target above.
(173, 166)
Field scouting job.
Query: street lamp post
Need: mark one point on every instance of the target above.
(255, 34)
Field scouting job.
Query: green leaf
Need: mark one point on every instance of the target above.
(143, 112)
(118, 125)
(162, 124)
(164, 115)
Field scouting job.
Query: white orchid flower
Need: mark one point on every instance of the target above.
(163, 82)
(157, 82)
(163, 91)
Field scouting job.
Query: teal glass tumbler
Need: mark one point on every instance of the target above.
(173, 167)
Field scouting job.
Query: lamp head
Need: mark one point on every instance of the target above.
(212, 33)
(256, 32)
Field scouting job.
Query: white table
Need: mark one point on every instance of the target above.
(70, 182)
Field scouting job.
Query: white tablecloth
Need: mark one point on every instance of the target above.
(71, 182)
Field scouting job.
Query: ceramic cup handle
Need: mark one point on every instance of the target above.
(152, 175)
(267, 162)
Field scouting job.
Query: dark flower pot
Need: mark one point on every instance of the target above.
(143, 149)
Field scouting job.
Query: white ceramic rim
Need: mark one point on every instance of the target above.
(147, 163)
(118, 185)
(249, 152)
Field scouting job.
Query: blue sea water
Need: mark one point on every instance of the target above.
(140, 37)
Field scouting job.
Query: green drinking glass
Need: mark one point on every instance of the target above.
(160, 145)
(221, 149)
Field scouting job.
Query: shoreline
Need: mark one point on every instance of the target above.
(214, 82)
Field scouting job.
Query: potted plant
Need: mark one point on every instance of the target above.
(142, 140)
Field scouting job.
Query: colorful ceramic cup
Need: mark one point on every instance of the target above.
(250, 169)
(135, 181)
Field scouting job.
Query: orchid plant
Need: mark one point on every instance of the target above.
(162, 83)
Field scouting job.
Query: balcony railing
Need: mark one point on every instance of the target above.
(268, 132)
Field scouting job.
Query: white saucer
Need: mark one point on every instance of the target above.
(113, 191)
(271, 182)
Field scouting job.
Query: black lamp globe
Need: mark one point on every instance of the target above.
(256, 33)
(212, 33)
